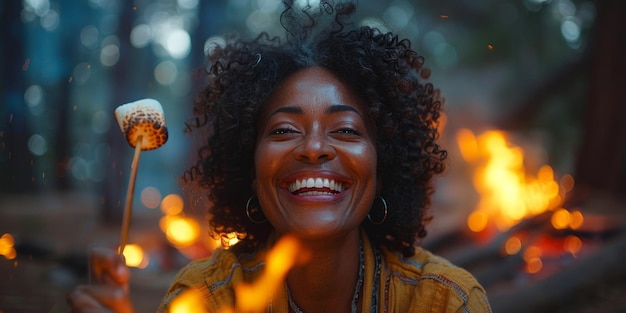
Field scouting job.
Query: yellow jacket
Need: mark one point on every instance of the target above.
(421, 283)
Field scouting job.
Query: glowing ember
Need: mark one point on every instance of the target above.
(576, 219)
(512, 246)
(532, 256)
(229, 240)
(534, 265)
(561, 219)
(6, 246)
(573, 245)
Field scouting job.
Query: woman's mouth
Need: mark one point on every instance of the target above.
(316, 186)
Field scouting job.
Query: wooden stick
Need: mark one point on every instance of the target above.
(129, 196)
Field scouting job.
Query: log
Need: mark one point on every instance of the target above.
(570, 286)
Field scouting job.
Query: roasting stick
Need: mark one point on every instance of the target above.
(143, 124)
(128, 208)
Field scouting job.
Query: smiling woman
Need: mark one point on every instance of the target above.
(327, 136)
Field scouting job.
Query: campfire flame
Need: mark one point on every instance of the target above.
(284, 255)
(190, 301)
(509, 193)
(252, 297)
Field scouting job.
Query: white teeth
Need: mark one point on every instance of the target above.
(316, 183)
(319, 183)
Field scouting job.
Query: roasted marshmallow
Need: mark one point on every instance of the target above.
(142, 118)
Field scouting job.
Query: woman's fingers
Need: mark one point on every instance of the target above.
(107, 267)
(80, 300)
(108, 290)
(99, 298)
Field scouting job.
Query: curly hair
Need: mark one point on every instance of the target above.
(381, 68)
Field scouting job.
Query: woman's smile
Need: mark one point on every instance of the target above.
(310, 184)
(315, 186)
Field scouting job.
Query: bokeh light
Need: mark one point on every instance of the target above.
(165, 73)
(135, 256)
(398, 15)
(81, 73)
(89, 36)
(172, 204)
(110, 51)
(140, 36)
(178, 43)
(180, 231)
(513, 245)
(37, 145)
(150, 197)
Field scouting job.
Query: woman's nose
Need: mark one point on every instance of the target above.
(315, 148)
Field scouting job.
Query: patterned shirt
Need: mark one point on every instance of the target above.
(392, 283)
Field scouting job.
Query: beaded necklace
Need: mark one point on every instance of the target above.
(357, 288)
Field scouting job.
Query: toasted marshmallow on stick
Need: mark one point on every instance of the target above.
(143, 124)
(142, 118)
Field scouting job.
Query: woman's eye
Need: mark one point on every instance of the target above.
(348, 131)
(282, 131)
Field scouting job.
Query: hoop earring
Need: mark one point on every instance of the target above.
(253, 210)
(385, 212)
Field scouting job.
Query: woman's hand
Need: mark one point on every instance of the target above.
(108, 290)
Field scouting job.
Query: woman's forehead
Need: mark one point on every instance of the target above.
(312, 87)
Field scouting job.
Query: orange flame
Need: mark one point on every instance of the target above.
(253, 297)
(189, 301)
(7, 246)
(508, 193)
(286, 253)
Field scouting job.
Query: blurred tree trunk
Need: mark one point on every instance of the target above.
(15, 160)
(601, 162)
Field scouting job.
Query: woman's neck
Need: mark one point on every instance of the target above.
(327, 282)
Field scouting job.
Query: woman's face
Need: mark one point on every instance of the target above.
(315, 158)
